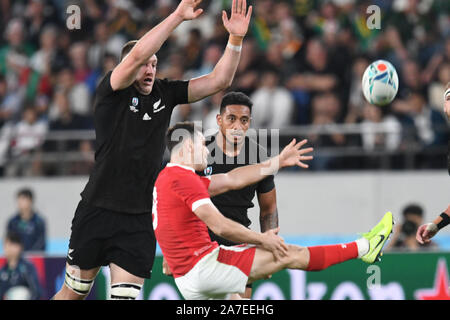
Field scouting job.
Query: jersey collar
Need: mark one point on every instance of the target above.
(181, 166)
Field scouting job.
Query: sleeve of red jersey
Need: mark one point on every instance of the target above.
(193, 190)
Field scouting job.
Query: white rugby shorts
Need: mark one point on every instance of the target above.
(223, 271)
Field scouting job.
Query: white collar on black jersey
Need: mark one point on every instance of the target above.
(179, 165)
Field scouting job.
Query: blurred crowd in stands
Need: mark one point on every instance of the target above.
(302, 64)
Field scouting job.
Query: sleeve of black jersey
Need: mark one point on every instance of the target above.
(266, 185)
(177, 91)
(104, 87)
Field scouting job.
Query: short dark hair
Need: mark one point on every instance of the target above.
(25, 192)
(127, 48)
(14, 237)
(414, 209)
(237, 98)
(187, 127)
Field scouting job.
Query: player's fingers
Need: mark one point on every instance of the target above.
(285, 247)
(234, 7)
(282, 249)
(307, 150)
(276, 230)
(291, 144)
(419, 238)
(276, 255)
(249, 14)
(197, 13)
(301, 143)
(306, 158)
(244, 7)
(224, 17)
(303, 165)
(240, 6)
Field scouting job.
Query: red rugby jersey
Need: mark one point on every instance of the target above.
(182, 236)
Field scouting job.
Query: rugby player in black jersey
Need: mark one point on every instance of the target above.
(231, 148)
(113, 222)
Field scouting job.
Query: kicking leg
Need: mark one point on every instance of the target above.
(306, 258)
(316, 258)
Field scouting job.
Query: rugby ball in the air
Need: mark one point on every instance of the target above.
(380, 83)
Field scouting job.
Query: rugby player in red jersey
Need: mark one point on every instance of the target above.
(183, 212)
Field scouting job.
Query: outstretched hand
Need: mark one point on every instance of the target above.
(186, 9)
(425, 232)
(294, 155)
(239, 20)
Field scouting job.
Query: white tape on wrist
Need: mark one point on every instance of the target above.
(234, 48)
(431, 227)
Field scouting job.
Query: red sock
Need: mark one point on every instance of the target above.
(321, 257)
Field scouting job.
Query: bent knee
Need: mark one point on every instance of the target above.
(298, 257)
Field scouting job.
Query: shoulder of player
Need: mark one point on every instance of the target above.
(176, 171)
(162, 83)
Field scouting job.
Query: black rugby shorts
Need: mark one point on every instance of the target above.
(101, 236)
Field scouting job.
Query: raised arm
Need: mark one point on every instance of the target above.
(241, 177)
(231, 230)
(125, 72)
(223, 73)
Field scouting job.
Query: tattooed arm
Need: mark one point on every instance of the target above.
(268, 214)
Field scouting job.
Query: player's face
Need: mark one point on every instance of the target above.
(200, 153)
(234, 122)
(146, 76)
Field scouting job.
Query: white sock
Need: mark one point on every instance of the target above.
(363, 246)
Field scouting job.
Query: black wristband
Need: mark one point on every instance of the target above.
(445, 221)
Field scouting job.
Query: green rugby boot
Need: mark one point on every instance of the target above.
(377, 237)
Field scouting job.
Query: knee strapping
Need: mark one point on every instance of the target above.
(77, 285)
(125, 291)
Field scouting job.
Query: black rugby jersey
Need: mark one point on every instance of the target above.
(130, 141)
(234, 204)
